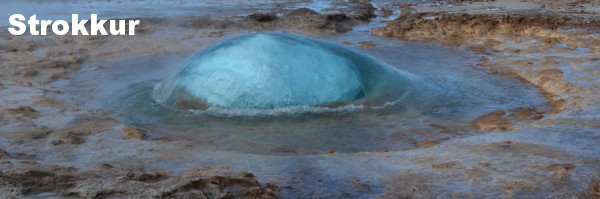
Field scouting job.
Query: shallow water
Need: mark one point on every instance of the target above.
(344, 152)
(110, 9)
(62, 9)
(125, 87)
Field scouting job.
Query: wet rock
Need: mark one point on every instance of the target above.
(484, 164)
(75, 137)
(475, 173)
(567, 4)
(244, 181)
(55, 169)
(559, 168)
(444, 165)
(133, 133)
(592, 192)
(556, 73)
(337, 17)
(105, 166)
(461, 25)
(427, 144)
(55, 64)
(567, 195)
(25, 111)
(409, 185)
(503, 120)
(492, 121)
(40, 181)
(479, 50)
(162, 139)
(594, 188)
(50, 102)
(27, 135)
(519, 186)
(149, 178)
(302, 12)
(519, 149)
(274, 187)
(550, 41)
(557, 105)
(89, 185)
(263, 17)
(367, 44)
(309, 20)
(3, 154)
(57, 142)
(215, 34)
(29, 73)
(246, 175)
(258, 192)
(385, 12)
(525, 114)
(72, 136)
(364, 11)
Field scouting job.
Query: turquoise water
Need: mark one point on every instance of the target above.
(275, 70)
(463, 92)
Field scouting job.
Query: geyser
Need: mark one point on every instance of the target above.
(270, 70)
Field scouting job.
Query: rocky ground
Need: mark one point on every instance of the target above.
(29, 105)
(554, 45)
(556, 50)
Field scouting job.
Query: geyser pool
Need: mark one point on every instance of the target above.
(447, 91)
(270, 70)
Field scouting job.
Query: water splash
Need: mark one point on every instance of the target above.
(272, 70)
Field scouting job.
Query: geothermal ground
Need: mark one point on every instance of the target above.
(521, 120)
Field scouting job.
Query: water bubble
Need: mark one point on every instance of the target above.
(274, 70)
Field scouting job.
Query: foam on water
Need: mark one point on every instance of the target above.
(274, 70)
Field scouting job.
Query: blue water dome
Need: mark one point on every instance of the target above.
(270, 70)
